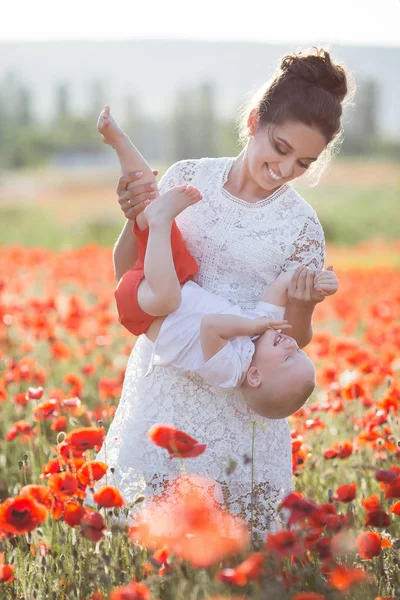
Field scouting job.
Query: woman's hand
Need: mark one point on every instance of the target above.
(301, 290)
(135, 199)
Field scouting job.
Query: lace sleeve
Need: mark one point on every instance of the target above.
(178, 174)
(309, 246)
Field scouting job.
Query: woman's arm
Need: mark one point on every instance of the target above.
(309, 253)
(302, 299)
(132, 198)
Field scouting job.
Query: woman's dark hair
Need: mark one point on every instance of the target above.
(309, 88)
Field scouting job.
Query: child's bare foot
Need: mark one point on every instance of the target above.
(111, 132)
(168, 206)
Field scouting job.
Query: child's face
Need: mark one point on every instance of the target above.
(281, 367)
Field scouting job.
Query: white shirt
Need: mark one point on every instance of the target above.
(178, 343)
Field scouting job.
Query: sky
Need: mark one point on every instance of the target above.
(367, 22)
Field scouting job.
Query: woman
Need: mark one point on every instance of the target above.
(250, 225)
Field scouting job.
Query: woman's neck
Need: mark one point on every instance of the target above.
(241, 184)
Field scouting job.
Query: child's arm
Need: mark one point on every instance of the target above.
(217, 330)
(326, 282)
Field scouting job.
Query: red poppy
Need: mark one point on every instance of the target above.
(73, 512)
(63, 484)
(345, 493)
(21, 514)
(91, 471)
(299, 507)
(92, 525)
(108, 496)
(342, 578)
(284, 543)
(34, 393)
(178, 443)
(247, 571)
(85, 438)
(371, 503)
(133, 591)
(193, 526)
(40, 493)
(98, 595)
(56, 465)
(20, 427)
(392, 490)
(386, 476)
(59, 424)
(395, 508)
(6, 573)
(45, 410)
(368, 544)
(377, 518)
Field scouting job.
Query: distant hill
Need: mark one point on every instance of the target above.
(164, 66)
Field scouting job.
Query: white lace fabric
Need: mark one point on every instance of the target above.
(240, 248)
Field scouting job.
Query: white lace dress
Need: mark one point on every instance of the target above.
(240, 248)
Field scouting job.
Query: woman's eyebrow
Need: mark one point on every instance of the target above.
(289, 146)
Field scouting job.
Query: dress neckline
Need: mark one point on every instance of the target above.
(225, 173)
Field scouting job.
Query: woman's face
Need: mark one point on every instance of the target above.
(277, 154)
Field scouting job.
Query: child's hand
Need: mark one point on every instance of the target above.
(326, 282)
(261, 325)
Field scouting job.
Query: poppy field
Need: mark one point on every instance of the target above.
(63, 356)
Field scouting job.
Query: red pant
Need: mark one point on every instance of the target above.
(130, 314)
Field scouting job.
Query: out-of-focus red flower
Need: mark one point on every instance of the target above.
(73, 512)
(60, 351)
(76, 383)
(6, 573)
(91, 471)
(108, 496)
(20, 428)
(59, 424)
(395, 508)
(377, 518)
(371, 503)
(284, 543)
(299, 507)
(21, 514)
(247, 571)
(386, 476)
(368, 544)
(176, 442)
(345, 493)
(392, 490)
(133, 591)
(98, 595)
(34, 393)
(342, 578)
(92, 525)
(45, 410)
(192, 526)
(339, 450)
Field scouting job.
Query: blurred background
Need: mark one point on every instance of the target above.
(175, 75)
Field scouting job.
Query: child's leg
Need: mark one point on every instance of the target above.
(130, 158)
(159, 293)
(276, 293)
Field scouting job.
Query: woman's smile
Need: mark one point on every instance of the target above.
(272, 174)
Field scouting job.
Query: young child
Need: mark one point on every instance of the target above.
(194, 329)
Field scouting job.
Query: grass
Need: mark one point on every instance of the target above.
(356, 200)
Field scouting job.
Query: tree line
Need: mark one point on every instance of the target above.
(193, 128)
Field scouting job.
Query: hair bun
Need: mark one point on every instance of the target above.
(317, 70)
